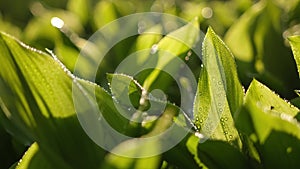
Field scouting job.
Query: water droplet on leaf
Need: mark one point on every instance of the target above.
(154, 49)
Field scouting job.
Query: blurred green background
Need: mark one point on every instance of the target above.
(255, 31)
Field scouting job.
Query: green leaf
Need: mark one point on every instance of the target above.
(130, 147)
(80, 8)
(270, 124)
(267, 112)
(65, 41)
(295, 44)
(10, 150)
(125, 89)
(296, 101)
(37, 105)
(146, 40)
(34, 159)
(182, 156)
(229, 157)
(192, 144)
(219, 93)
(281, 150)
(9, 27)
(173, 45)
(41, 33)
(37, 102)
(148, 152)
(104, 12)
(243, 29)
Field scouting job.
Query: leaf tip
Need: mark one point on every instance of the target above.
(195, 21)
(210, 31)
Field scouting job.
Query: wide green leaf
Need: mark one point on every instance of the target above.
(269, 122)
(40, 96)
(219, 93)
(37, 105)
(263, 105)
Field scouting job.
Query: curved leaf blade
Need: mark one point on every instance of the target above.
(37, 104)
(219, 93)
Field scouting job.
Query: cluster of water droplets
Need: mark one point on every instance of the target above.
(199, 119)
(188, 55)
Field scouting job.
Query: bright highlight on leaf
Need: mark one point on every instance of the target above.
(57, 22)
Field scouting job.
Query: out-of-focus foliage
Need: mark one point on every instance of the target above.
(258, 41)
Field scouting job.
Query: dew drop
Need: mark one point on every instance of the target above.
(289, 150)
(115, 99)
(261, 86)
(142, 101)
(144, 92)
(207, 12)
(187, 57)
(141, 27)
(144, 114)
(230, 136)
(154, 49)
(57, 22)
(199, 135)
